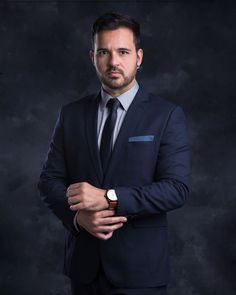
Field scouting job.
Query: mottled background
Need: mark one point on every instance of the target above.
(44, 63)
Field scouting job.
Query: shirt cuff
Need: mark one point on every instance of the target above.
(75, 222)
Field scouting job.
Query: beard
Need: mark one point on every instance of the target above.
(116, 83)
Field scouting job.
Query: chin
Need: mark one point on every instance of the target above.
(114, 84)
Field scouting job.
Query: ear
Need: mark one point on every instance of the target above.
(91, 53)
(139, 57)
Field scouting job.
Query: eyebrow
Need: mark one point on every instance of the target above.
(101, 49)
(120, 49)
(126, 49)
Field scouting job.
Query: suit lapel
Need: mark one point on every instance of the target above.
(131, 120)
(91, 130)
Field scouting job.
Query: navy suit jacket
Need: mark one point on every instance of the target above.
(149, 171)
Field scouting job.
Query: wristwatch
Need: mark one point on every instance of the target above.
(112, 200)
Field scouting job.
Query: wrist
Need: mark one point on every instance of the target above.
(103, 202)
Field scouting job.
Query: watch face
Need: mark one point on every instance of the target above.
(111, 194)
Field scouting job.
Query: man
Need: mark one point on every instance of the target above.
(118, 161)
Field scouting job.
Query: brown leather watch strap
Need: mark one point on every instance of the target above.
(112, 205)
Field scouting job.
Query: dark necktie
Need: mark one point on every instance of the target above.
(107, 133)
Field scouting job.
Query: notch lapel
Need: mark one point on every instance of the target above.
(131, 120)
(91, 130)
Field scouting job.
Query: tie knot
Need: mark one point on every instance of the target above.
(113, 104)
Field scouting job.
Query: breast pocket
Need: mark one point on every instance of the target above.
(141, 138)
(142, 151)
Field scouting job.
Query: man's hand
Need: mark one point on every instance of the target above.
(84, 196)
(100, 224)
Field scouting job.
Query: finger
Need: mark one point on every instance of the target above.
(79, 184)
(82, 206)
(75, 185)
(112, 220)
(74, 200)
(108, 236)
(75, 207)
(103, 236)
(109, 228)
(72, 192)
(106, 213)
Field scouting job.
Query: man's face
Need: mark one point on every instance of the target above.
(115, 59)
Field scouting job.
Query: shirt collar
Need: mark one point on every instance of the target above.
(125, 98)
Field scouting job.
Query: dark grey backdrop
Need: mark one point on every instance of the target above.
(189, 58)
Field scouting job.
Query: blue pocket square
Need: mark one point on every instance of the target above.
(141, 138)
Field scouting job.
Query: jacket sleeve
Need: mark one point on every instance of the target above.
(170, 185)
(53, 181)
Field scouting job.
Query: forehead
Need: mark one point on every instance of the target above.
(119, 38)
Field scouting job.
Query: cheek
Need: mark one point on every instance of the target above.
(100, 65)
(130, 66)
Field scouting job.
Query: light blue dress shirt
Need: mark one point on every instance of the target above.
(125, 100)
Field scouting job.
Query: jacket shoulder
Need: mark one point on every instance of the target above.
(162, 103)
(156, 101)
(163, 108)
(79, 104)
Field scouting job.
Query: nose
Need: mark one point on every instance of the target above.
(114, 59)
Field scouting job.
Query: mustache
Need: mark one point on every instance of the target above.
(114, 69)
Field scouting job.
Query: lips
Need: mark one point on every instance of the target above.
(114, 73)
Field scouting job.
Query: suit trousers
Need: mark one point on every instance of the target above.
(101, 286)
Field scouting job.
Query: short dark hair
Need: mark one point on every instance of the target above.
(113, 21)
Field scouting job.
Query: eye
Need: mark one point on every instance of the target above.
(102, 52)
(124, 52)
